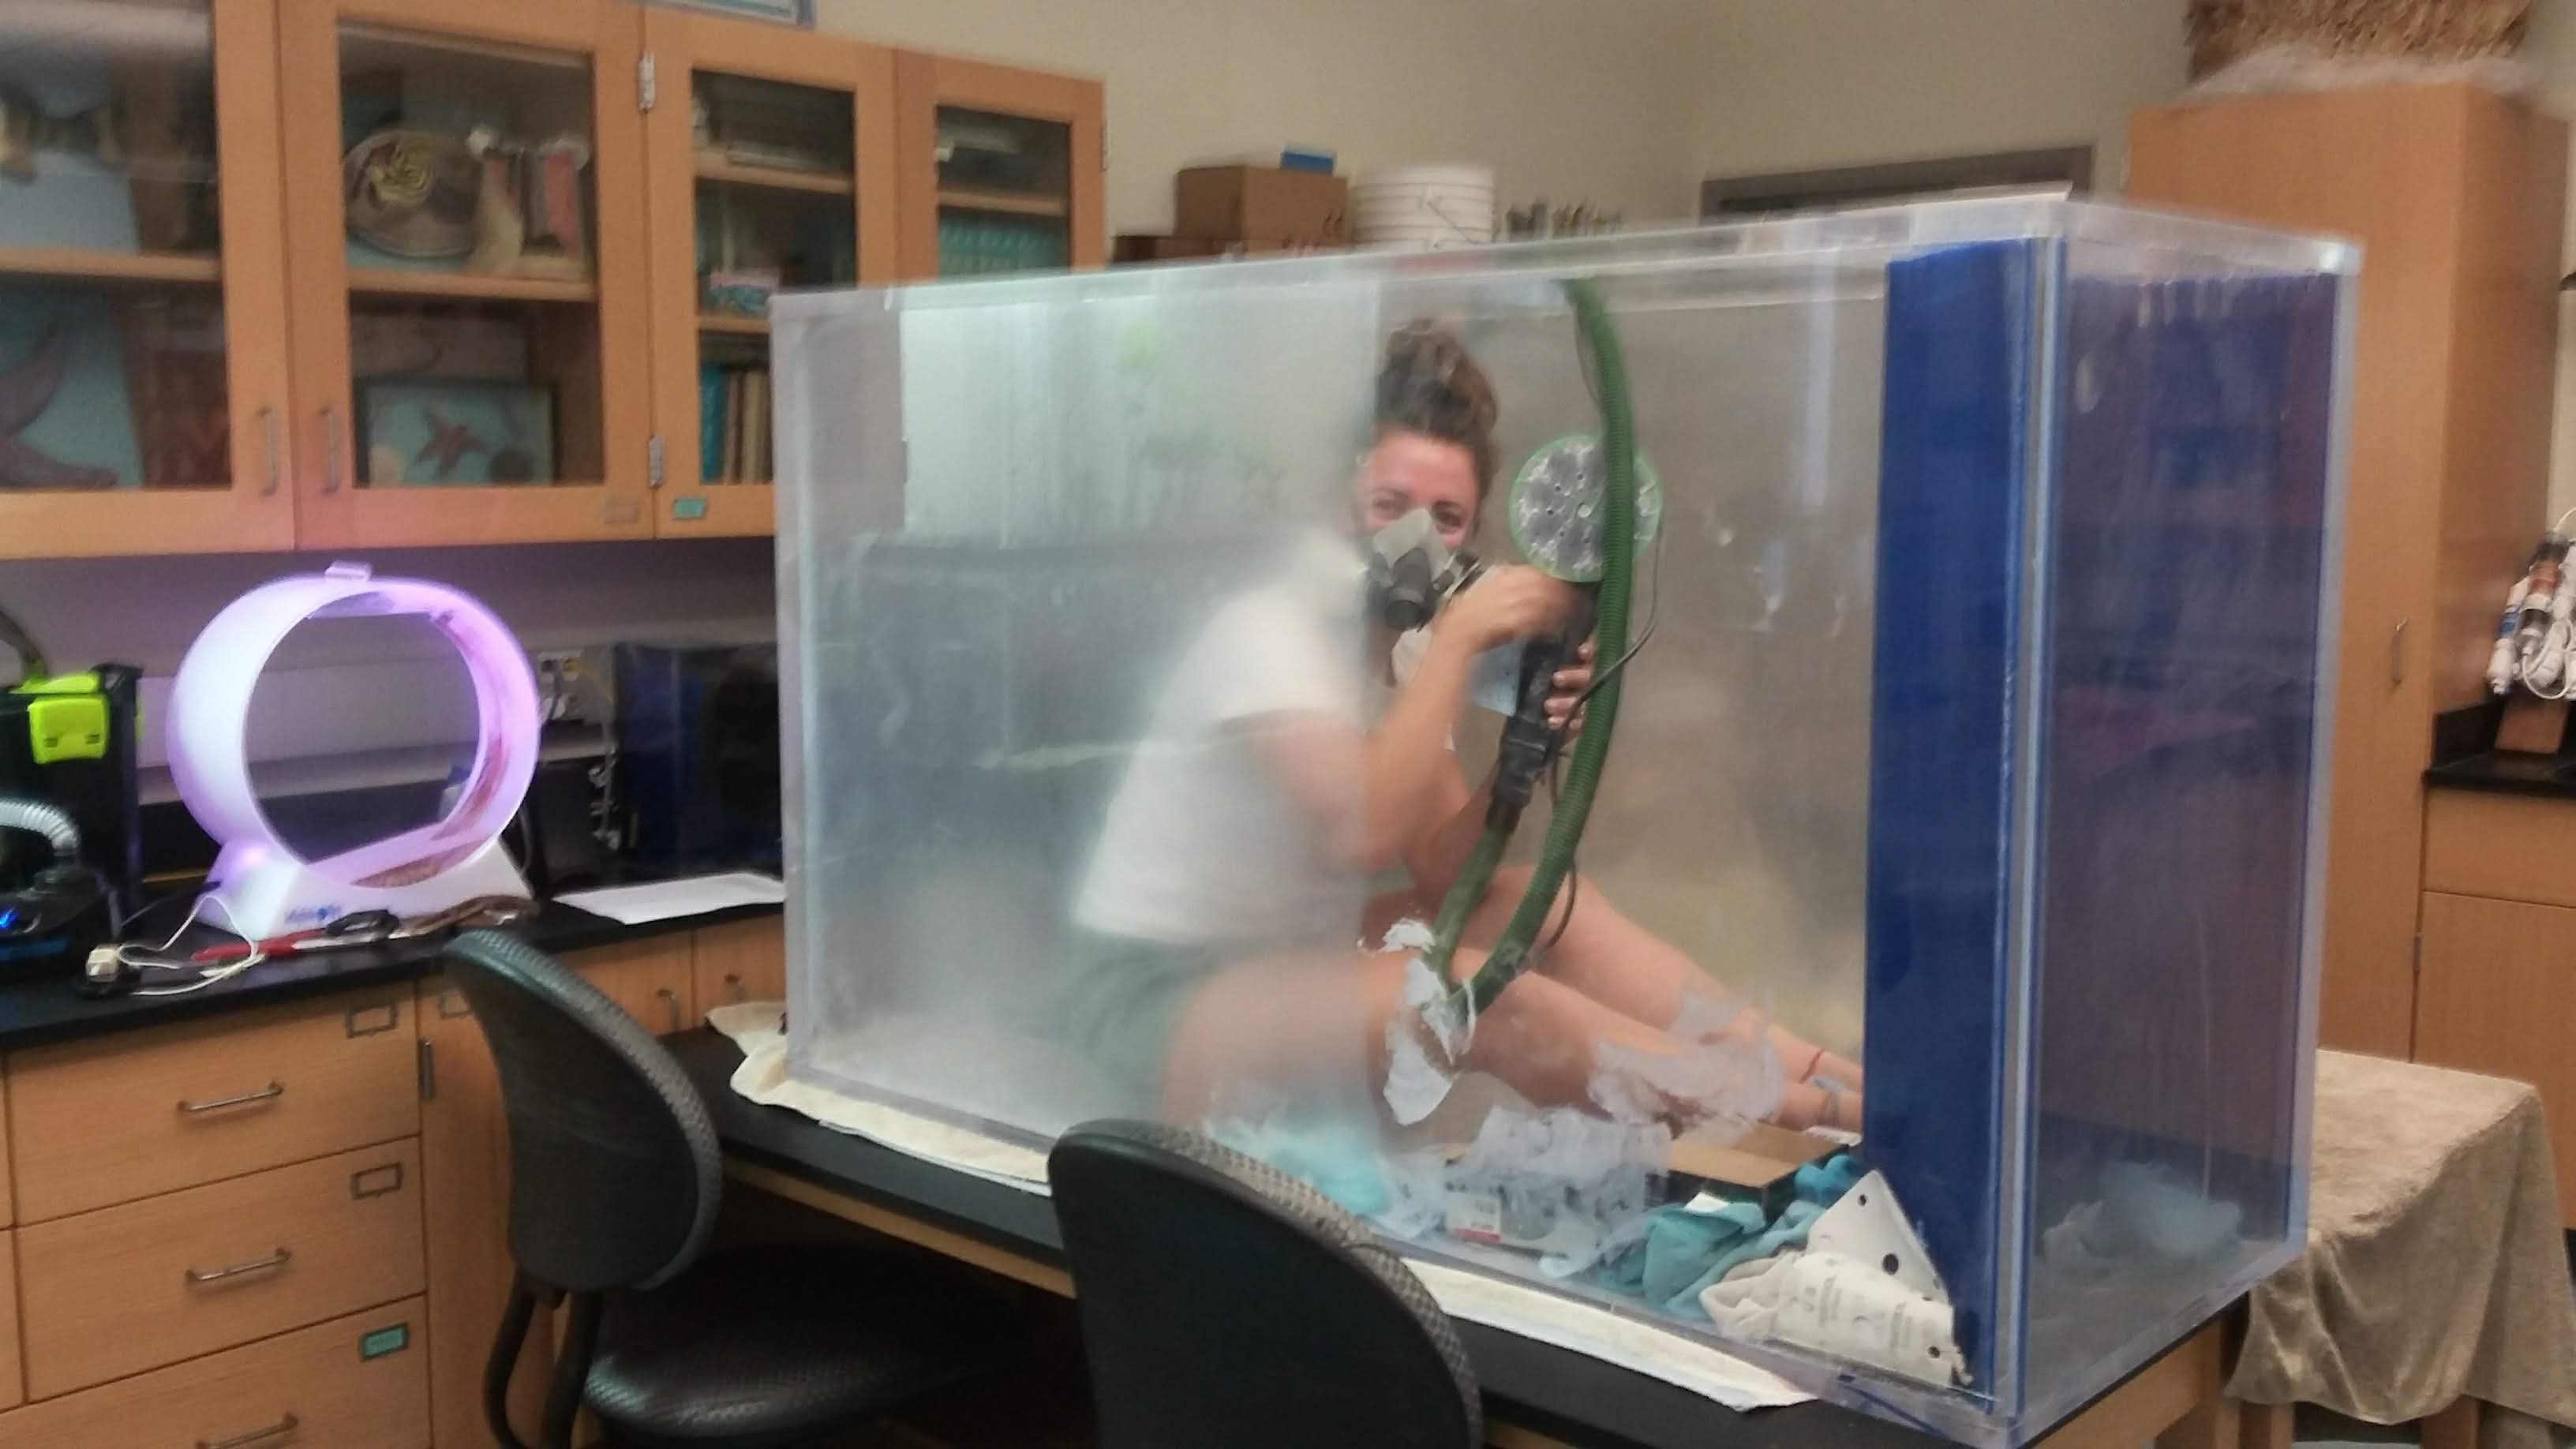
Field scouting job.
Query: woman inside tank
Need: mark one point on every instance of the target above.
(1280, 774)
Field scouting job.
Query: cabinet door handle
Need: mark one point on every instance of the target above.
(268, 426)
(331, 450)
(2397, 655)
(733, 984)
(278, 1430)
(269, 1093)
(671, 1002)
(198, 1279)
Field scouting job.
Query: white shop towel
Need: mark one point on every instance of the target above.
(1685, 1362)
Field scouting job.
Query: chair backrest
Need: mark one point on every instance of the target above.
(614, 1170)
(1224, 1302)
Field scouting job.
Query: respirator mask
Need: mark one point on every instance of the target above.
(1411, 571)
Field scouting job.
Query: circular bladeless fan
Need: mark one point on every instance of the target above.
(262, 884)
(1556, 509)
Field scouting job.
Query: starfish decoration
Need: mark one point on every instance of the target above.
(25, 392)
(448, 443)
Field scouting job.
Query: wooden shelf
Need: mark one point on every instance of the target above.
(730, 323)
(128, 268)
(777, 178)
(1014, 203)
(391, 282)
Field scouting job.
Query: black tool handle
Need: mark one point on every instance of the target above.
(1528, 741)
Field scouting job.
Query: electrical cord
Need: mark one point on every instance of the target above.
(157, 958)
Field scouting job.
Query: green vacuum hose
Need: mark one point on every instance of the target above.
(1511, 953)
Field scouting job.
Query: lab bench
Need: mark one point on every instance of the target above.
(1538, 1396)
(276, 1208)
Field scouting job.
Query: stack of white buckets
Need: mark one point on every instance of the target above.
(1424, 206)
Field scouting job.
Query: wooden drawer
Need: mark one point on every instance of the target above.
(13, 1385)
(127, 1116)
(649, 979)
(137, 1286)
(2508, 847)
(744, 961)
(360, 1382)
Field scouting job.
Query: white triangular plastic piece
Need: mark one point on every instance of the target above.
(1866, 1291)
(1868, 1226)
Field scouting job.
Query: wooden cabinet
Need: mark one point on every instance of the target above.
(773, 157)
(123, 1117)
(465, 228)
(143, 373)
(358, 1382)
(465, 1163)
(189, 1193)
(487, 271)
(745, 961)
(997, 169)
(2458, 198)
(2496, 996)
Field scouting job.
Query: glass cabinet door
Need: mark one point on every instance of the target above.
(143, 377)
(466, 215)
(773, 166)
(1007, 168)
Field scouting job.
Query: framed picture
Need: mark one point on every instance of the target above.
(436, 432)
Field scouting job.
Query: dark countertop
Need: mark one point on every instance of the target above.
(2546, 776)
(41, 1006)
(1573, 1397)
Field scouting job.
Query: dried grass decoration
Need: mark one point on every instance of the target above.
(2222, 31)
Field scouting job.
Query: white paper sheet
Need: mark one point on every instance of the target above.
(665, 900)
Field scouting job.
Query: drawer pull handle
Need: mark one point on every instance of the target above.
(279, 1430)
(671, 1001)
(269, 1093)
(274, 1260)
(331, 450)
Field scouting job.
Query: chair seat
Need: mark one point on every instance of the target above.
(766, 1346)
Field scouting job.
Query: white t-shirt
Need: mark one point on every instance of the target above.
(1205, 844)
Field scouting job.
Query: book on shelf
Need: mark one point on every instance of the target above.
(734, 415)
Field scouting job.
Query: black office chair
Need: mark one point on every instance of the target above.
(614, 1181)
(1227, 1304)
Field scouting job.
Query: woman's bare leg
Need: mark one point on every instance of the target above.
(1319, 1024)
(1624, 966)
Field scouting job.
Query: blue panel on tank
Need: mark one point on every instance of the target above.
(1949, 525)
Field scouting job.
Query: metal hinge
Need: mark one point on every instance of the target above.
(1104, 145)
(428, 1070)
(647, 87)
(653, 461)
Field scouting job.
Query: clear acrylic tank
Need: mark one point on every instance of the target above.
(1976, 746)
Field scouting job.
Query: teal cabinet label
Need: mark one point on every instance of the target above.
(688, 509)
(384, 1341)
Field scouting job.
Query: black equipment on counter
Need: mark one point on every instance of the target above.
(697, 754)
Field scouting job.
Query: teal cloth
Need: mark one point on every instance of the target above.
(1330, 1157)
(1824, 1183)
(1682, 1252)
